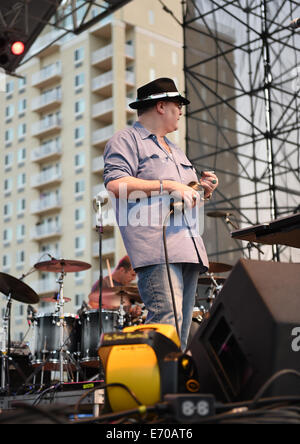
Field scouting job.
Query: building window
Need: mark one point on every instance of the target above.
(21, 206)
(79, 160)
(21, 157)
(79, 80)
(8, 160)
(78, 55)
(22, 105)
(79, 215)
(7, 185)
(7, 210)
(151, 17)
(21, 131)
(20, 257)
(79, 107)
(79, 133)
(7, 235)
(9, 136)
(9, 111)
(22, 83)
(79, 243)
(20, 232)
(21, 181)
(10, 87)
(79, 187)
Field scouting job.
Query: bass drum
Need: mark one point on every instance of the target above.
(47, 340)
(90, 333)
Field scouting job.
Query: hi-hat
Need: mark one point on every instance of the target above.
(62, 265)
(54, 298)
(218, 267)
(18, 290)
(218, 214)
(203, 280)
(130, 291)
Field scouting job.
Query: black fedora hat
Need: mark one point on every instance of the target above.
(159, 89)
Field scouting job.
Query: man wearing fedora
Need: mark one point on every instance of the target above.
(141, 159)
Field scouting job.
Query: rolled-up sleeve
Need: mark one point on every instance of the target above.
(120, 157)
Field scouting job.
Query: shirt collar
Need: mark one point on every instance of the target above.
(144, 133)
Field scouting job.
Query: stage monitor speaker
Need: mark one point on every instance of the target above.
(252, 333)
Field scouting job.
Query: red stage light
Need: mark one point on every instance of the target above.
(17, 48)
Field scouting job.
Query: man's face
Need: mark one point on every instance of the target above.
(172, 114)
(127, 276)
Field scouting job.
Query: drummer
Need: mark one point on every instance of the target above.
(122, 275)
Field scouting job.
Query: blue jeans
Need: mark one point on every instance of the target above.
(154, 288)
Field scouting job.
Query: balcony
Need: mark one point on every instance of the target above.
(102, 58)
(46, 204)
(47, 44)
(129, 53)
(47, 76)
(98, 164)
(103, 110)
(47, 127)
(50, 176)
(102, 135)
(45, 286)
(129, 79)
(45, 231)
(108, 247)
(103, 84)
(47, 102)
(50, 151)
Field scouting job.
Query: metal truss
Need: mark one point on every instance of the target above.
(73, 17)
(242, 77)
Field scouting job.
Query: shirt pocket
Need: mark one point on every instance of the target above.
(187, 172)
(155, 166)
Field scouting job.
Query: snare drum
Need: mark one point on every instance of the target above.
(90, 334)
(47, 339)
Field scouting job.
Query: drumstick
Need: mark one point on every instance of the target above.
(109, 273)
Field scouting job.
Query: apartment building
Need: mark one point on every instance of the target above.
(55, 121)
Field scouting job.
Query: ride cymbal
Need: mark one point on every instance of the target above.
(18, 290)
(62, 265)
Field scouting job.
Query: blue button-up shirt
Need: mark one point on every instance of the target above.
(136, 152)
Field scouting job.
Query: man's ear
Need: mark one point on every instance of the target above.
(160, 107)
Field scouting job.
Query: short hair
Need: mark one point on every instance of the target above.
(145, 108)
(124, 263)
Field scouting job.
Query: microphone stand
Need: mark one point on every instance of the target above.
(99, 229)
(250, 244)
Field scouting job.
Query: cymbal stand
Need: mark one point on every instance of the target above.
(5, 348)
(214, 290)
(60, 304)
(122, 313)
(250, 244)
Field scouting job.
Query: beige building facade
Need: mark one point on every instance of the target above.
(55, 122)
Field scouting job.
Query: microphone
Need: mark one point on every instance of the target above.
(99, 199)
(30, 314)
(295, 23)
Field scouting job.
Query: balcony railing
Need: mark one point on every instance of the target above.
(47, 75)
(47, 101)
(51, 149)
(98, 164)
(46, 177)
(102, 135)
(47, 126)
(45, 203)
(108, 247)
(103, 107)
(102, 57)
(45, 230)
(102, 81)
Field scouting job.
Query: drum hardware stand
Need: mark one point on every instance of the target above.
(122, 313)
(98, 203)
(60, 309)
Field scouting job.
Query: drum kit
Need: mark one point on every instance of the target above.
(67, 342)
(63, 342)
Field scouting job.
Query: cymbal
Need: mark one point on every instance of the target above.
(54, 299)
(130, 291)
(59, 265)
(203, 280)
(17, 289)
(218, 267)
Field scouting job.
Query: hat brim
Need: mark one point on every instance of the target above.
(138, 104)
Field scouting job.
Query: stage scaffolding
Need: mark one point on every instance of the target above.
(242, 71)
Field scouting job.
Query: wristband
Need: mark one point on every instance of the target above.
(161, 187)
